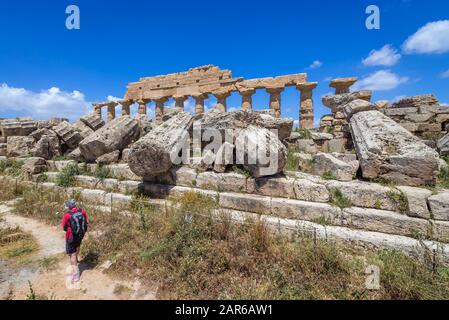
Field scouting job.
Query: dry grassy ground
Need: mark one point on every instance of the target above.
(187, 254)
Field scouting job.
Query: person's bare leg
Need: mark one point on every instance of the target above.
(77, 254)
(73, 262)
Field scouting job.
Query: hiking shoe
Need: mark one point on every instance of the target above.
(75, 277)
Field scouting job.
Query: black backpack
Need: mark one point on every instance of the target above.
(77, 224)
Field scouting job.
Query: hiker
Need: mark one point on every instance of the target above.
(74, 223)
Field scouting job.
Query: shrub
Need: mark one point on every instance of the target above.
(102, 173)
(443, 176)
(328, 176)
(9, 190)
(66, 177)
(11, 167)
(338, 199)
(292, 160)
(304, 133)
(242, 171)
(399, 198)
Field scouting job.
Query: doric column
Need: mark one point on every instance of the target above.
(179, 102)
(126, 107)
(342, 85)
(142, 106)
(247, 99)
(159, 113)
(221, 100)
(199, 102)
(306, 105)
(97, 110)
(111, 110)
(275, 100)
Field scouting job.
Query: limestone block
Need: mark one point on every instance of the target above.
(326, 163)
(416, 101)
(307, 146)
(302, 210)
(356, 106)
(122, 171)
(385, 149)
(47, 146)
(386, 222)
(400, 111)
(416, 201)
(310, 191)
(224, 157)
(83, 129)
(221, 181)
(439, 205)
(60, 165)
(419, 118)
(93, 121)
(34, 165)
(128, 187)
(152, 154)
(3, 149)
(115, 135)
(276, 186)
(87, 181)
(13, 127)
(336, 102)
(365, 194)
(125, 154)
(19, 146)
(67, 133)
(337, 145)
(443, 145)
(441, 231)
(94, 196)
(260, 151)
(117, 200)
(320, 136)
(245, 202)
(108, 158)
(184, 176)
(305, 162)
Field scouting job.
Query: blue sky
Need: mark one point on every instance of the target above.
(46, 69)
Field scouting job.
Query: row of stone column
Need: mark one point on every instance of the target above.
(306, 114)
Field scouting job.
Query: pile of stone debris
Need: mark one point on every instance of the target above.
(382, 148)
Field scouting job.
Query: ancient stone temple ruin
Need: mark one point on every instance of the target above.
(201, 82)
(376, 172)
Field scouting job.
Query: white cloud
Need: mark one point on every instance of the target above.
(445, 74)
(444, 104)
(381, 80)
(42, 105)
(112, 98)
(433, 38)
(316, 64)
(387, 56)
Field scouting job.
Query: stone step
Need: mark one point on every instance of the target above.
(299, 212)
(405, 200)
(354, 217)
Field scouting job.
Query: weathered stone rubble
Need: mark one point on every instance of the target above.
(387, 150)
(421, 115)
(152, 154)
(443, 145)
(115, 135)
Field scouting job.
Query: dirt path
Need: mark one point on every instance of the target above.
(54, 281)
